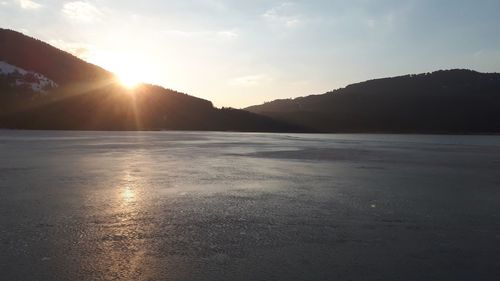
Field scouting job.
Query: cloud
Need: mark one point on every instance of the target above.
(28, 4)
(284, 14)
(205, 34)
(227, 34)
(215, 4)
(250, 80)
(81, 11)
(392, 17)
(77, 49)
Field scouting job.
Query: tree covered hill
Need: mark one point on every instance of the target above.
(33, 54)
(84, 96)
(446, 101)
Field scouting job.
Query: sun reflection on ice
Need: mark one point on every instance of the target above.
(128, 194)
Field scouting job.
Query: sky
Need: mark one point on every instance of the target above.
(241, 53)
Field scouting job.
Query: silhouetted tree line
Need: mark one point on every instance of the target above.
(445, 101)
(89, 98)
(32, 54)
(452, 101)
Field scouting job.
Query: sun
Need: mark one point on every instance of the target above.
(129, 68)
(128, 79)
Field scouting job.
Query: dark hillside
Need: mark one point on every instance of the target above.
(88, 97)
(451, 101)
(32, 54)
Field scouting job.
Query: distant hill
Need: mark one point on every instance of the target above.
(42, 87)
(446, 101)
(35, 55)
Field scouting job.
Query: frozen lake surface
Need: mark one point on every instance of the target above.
(241, 206)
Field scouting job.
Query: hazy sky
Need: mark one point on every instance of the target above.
(239, 53)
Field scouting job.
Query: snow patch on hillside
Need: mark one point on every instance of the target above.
(29, 79)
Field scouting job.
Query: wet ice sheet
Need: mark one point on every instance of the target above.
(230, 206)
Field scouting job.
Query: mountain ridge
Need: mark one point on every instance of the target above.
(444, 101)
(33, 54)
(89, 97)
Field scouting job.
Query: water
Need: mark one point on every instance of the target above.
(240, 206)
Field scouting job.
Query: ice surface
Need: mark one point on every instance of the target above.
(235, 206)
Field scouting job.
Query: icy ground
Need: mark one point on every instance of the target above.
(232, 206)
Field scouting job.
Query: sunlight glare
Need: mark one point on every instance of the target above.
(127, 78)
(130, 69)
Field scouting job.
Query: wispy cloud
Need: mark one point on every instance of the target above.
(29, 4)
(205, 34)
(250, 80)
(391, 18)
(284, 14)
(228, 34)
(81, 11)
(77, 49)
(215, 4)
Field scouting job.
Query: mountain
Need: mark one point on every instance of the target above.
(446, 101)
(37, 56)
(42, 87)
